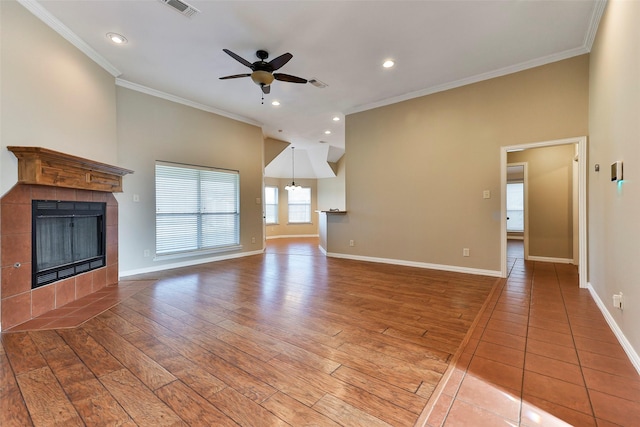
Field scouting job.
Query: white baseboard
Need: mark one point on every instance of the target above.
(451, 268)
(323, 250)
(291, 236)
(626, 345)
(550, 259)
(188, 263)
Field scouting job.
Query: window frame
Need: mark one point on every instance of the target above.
(308, 220)
(200, 213)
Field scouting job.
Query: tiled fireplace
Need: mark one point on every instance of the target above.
(19, 302)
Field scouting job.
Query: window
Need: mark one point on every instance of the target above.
(300, 205)
(271, 204)
(197, 208)
(515, 206)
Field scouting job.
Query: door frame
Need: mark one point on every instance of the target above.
(581, 143)
(525, 197)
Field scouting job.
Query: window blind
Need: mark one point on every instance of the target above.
(300, 205)
(197, 208)
(271, 204)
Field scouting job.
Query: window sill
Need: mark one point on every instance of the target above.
(300, 223)
(176, 255)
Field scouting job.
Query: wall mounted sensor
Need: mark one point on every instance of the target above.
(616, 171)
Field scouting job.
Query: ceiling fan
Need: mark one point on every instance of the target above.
(263, 72)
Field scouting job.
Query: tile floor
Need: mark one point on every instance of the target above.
(541, 354)
(79, 311)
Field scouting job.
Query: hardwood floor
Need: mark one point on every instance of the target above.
(289, 337)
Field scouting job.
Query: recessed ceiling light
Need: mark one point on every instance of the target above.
(276, 103)
(336, 119)
(388, 63)
(116, 38)
(327, 132)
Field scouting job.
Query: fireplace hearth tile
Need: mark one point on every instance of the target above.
(65, 291)
(16, 280)
(18, 194)
(66, 194)
(16, 248)
(99, 278)
(84, 284)
(84, 195)
(20, 310)
(112, 274)
(43, 192)
(16, 218)
(43, 300)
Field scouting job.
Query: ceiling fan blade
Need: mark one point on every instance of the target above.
(288, 78)
(266, 89)
(238, 58)
(278, 62)
(235, 76)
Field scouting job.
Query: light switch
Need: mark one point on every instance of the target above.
(486, 194)
(258, 201)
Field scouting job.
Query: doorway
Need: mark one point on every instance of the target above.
(516, 200)
(581, 172)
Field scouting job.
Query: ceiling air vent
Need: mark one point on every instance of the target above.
(182, 7)
(317, 83)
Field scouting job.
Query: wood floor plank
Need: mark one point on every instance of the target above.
(45, 399)
(92, 354)
(396, 395)
(295, 413)
(345, 414)
(140, 403)
(243, 410)
(192, 407)
(13, 411)
(146, 369)
(22, 352)
(46, 340)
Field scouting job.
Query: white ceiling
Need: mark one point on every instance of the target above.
(436, 45)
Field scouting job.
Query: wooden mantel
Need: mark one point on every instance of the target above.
(37, 165)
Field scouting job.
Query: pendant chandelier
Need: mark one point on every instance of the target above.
(292, 186)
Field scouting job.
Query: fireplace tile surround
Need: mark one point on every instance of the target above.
(18, 302)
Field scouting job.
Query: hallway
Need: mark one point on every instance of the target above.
(541, 355)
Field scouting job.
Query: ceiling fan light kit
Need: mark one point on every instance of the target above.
(263, 72)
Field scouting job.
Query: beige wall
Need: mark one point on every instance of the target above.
(283, 228)
(550, 199)
(273, 147)
(417, 169)
(51, 95)
(331, 191)
(151, 129)
(614, 210)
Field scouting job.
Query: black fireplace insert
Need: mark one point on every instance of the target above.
(69, 238)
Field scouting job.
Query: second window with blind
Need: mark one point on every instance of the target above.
(299, 205)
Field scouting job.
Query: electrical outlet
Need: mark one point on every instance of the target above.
(146, 253)
(136, 198)
(486, 194)
(352, 242)
(618, 301)
(465, 252)
(253, 240)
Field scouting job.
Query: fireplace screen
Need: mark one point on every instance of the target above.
(68, 239)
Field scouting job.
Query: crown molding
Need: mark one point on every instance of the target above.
(41, 13)
(596, 16)
(173, 98)
(473, 79)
